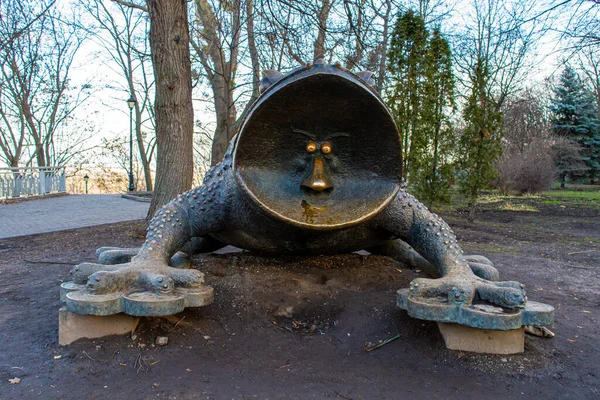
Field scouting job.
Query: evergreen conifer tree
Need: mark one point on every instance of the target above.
(481, 142)
(576, 120)
(408, 47)
(436, 169)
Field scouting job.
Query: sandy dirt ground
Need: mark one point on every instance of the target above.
(296, 328)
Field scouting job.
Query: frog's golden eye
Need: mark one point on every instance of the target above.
(311, 147)
(326, 148)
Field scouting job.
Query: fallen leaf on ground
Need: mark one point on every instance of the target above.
(571, 340)
(14, 381)
(57, 357)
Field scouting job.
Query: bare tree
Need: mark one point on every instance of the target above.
(582, 29)
(122, 32)
(27, 16)
(589, 64)
(37, 100)
(216, 42)
(527, 161)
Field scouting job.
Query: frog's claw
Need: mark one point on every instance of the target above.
(140, 287)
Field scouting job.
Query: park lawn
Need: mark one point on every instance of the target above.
(580, 196)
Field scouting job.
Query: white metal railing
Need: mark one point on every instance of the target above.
(31, 181)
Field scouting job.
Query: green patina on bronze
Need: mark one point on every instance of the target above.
(315, 169)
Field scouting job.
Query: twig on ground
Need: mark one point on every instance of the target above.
(581, 252)
(577, 267)
(52, 262)
(370, 349)
(338, 394)
(141, 365)
(91, 358)
(175, 326)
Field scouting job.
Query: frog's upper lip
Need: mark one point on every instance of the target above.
(316, 202)
(317, 199)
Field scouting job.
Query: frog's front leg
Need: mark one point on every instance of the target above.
(192, 214)
(432, 238)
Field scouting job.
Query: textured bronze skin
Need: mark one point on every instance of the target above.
(315, 169)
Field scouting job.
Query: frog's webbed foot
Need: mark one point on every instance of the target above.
(465, 289)
(140, 287)
(468, 300)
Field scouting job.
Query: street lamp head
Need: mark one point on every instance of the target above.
(131, 102)
(86, 178)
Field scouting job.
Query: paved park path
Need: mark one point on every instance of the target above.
(67, 212)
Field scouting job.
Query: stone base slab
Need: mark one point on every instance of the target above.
(72, 327)
(460, 337)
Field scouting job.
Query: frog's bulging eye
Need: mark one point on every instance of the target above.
(326, 148)
(311, 147)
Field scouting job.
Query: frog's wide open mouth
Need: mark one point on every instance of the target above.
(320, 150)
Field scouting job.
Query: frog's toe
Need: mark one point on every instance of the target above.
(510, 284)
(461, 293)
(157, 282)
(180, 260)
(484, 271)
(425, 287)
(504, 296)
(116, 256)
(103, 282)
(82, 272)
(187, 278)
(455, 290)
(474, 258)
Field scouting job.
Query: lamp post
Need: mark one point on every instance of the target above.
(86, 178)
(131, 103)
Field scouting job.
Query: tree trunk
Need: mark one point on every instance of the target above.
(226, 114)
(322, 17)
(384, 44)
(142, 148)
(169, 43)
(472, 210)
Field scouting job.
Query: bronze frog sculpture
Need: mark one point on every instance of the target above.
(315, 169)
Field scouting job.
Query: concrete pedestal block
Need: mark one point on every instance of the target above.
(73, 326)
(460, 337)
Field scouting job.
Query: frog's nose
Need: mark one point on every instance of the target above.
(319, 179)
